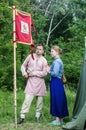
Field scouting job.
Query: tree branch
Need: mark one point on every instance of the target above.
(59, 23)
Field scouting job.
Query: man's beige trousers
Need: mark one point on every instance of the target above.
(27, 103)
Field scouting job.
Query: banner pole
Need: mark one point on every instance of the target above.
(14, 44)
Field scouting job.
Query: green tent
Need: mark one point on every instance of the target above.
(79, 111)
(81, 92)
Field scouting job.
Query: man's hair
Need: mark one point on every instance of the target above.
(40, 45)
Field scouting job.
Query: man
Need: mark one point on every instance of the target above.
(35, 71)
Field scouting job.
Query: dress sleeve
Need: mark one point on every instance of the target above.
(24, 66)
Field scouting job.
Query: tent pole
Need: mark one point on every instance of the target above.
(85, 42)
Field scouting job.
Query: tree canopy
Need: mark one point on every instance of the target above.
(61, 23)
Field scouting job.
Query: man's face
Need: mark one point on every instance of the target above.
(39, 50)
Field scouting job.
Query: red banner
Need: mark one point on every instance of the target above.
(23, 23)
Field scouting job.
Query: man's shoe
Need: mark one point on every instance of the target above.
(20, 121)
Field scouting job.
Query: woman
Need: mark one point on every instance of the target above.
(58, 102)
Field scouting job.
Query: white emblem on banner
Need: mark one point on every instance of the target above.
(24, 27)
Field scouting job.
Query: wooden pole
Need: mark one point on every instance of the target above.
(15, 89)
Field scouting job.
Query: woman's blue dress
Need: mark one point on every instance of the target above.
(58, 101)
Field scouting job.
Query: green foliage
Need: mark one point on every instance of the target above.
(69, 35)
(7, 113)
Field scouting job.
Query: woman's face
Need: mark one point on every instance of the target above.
(53, 53)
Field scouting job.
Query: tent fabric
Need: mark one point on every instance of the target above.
(81, 91)
(79, 110)
(77, 124)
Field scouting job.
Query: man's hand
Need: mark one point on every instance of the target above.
(29, 74)
(48, 69)
(26, 76)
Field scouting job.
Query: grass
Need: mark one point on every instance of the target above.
(7, 111)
